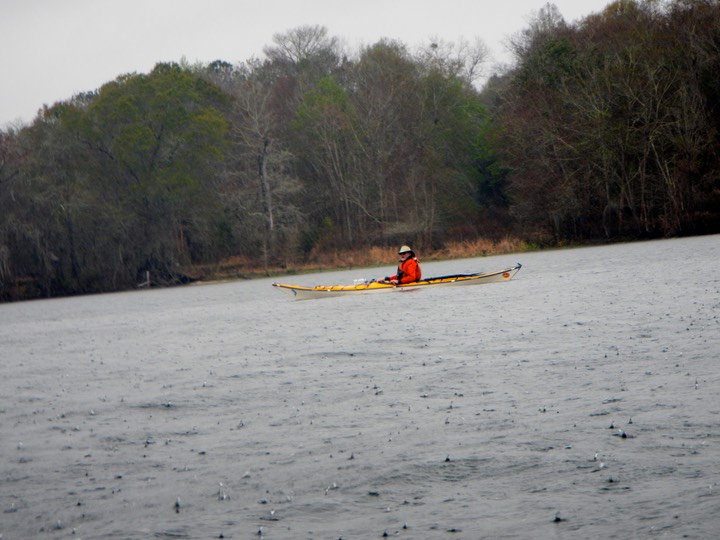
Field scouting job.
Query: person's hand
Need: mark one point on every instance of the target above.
(394, 281)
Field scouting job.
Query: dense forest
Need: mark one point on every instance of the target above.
(604, 129)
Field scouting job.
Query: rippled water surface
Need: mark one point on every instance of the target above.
(579, 400)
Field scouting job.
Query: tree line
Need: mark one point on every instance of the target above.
(607, 128)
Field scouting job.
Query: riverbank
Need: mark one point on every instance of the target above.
(374, 256)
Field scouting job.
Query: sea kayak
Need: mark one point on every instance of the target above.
(299, 292)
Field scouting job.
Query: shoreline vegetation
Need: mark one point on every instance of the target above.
(371, 257)
(246, 268)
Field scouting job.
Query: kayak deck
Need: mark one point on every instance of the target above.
(300, 292)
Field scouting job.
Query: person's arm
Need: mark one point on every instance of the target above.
(390, 278)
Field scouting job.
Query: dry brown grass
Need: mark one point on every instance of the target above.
(479, 247)
(240, 267)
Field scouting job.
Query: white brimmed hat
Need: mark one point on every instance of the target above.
(404, 249)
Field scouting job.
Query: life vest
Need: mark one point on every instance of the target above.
(408, 271)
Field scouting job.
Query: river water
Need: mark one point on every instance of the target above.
(579, 400)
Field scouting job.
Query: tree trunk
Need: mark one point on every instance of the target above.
(268, 243)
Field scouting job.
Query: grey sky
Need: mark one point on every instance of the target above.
(53, 49)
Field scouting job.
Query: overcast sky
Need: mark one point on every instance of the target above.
(53, 49)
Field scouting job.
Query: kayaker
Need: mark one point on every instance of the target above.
(408, 270)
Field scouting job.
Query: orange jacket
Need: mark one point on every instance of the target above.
(408, 271)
